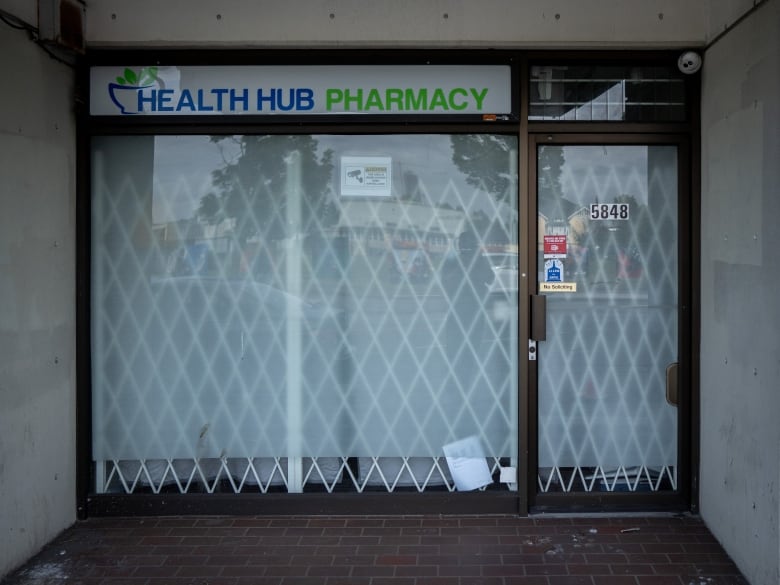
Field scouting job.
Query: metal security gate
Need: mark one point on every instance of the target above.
(263, 321)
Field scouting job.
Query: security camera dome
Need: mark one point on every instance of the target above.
(689, 62)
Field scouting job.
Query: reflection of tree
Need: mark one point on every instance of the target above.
(549, 165)
(641, 228)
(484, 160)
(250, 190)
(619, 243)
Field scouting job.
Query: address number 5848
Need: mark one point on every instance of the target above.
(599, 211)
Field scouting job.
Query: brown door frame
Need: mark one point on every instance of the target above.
(682, 498)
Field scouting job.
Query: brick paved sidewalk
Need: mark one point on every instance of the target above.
(450, 550)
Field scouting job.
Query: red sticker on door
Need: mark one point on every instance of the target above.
(555, 246)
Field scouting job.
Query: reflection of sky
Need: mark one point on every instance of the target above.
(602, 173)
(183, 167)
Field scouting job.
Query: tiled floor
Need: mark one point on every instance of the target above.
(419, 550)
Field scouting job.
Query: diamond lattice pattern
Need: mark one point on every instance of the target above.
(251, 324)
(604, 423)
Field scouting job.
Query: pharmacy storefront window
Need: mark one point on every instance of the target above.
(313, 312)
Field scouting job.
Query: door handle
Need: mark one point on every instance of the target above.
(538, 317)
(671, 383)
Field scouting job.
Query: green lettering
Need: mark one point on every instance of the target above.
(438, 100)
(357, 100)
(374, 101)
(418, 103)
(461, 105)
(332, 97)
(479, 96)
(394, 97)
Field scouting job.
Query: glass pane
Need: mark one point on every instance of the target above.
(614, 93)
(604, 423)
(328, 297)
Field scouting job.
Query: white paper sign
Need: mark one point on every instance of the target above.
(467, 463)
(366, 176)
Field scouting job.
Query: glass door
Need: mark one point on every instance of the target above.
(608, 269)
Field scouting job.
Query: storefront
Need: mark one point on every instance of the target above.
(387, 281)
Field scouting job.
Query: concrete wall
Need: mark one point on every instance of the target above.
(398, 23)
(37, 299)
(740, 351)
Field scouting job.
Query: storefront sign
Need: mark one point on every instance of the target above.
(300, 90)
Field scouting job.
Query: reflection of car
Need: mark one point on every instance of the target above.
(629, 263)
(242, 316)
(502, 260)
(239, 291)
(504, 265)
(192, 258)
(413, 263)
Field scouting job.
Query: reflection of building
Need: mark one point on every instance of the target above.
(399, 224)
(557, 225)
(170, 233)
(574, 226)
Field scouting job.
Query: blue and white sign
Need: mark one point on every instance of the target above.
(300, 90)
(553, 270)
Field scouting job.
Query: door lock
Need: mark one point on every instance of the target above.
(532, 350)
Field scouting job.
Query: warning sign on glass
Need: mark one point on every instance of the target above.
(555, 246)
(366, 176)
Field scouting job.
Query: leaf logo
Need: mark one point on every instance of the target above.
(124, 93)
